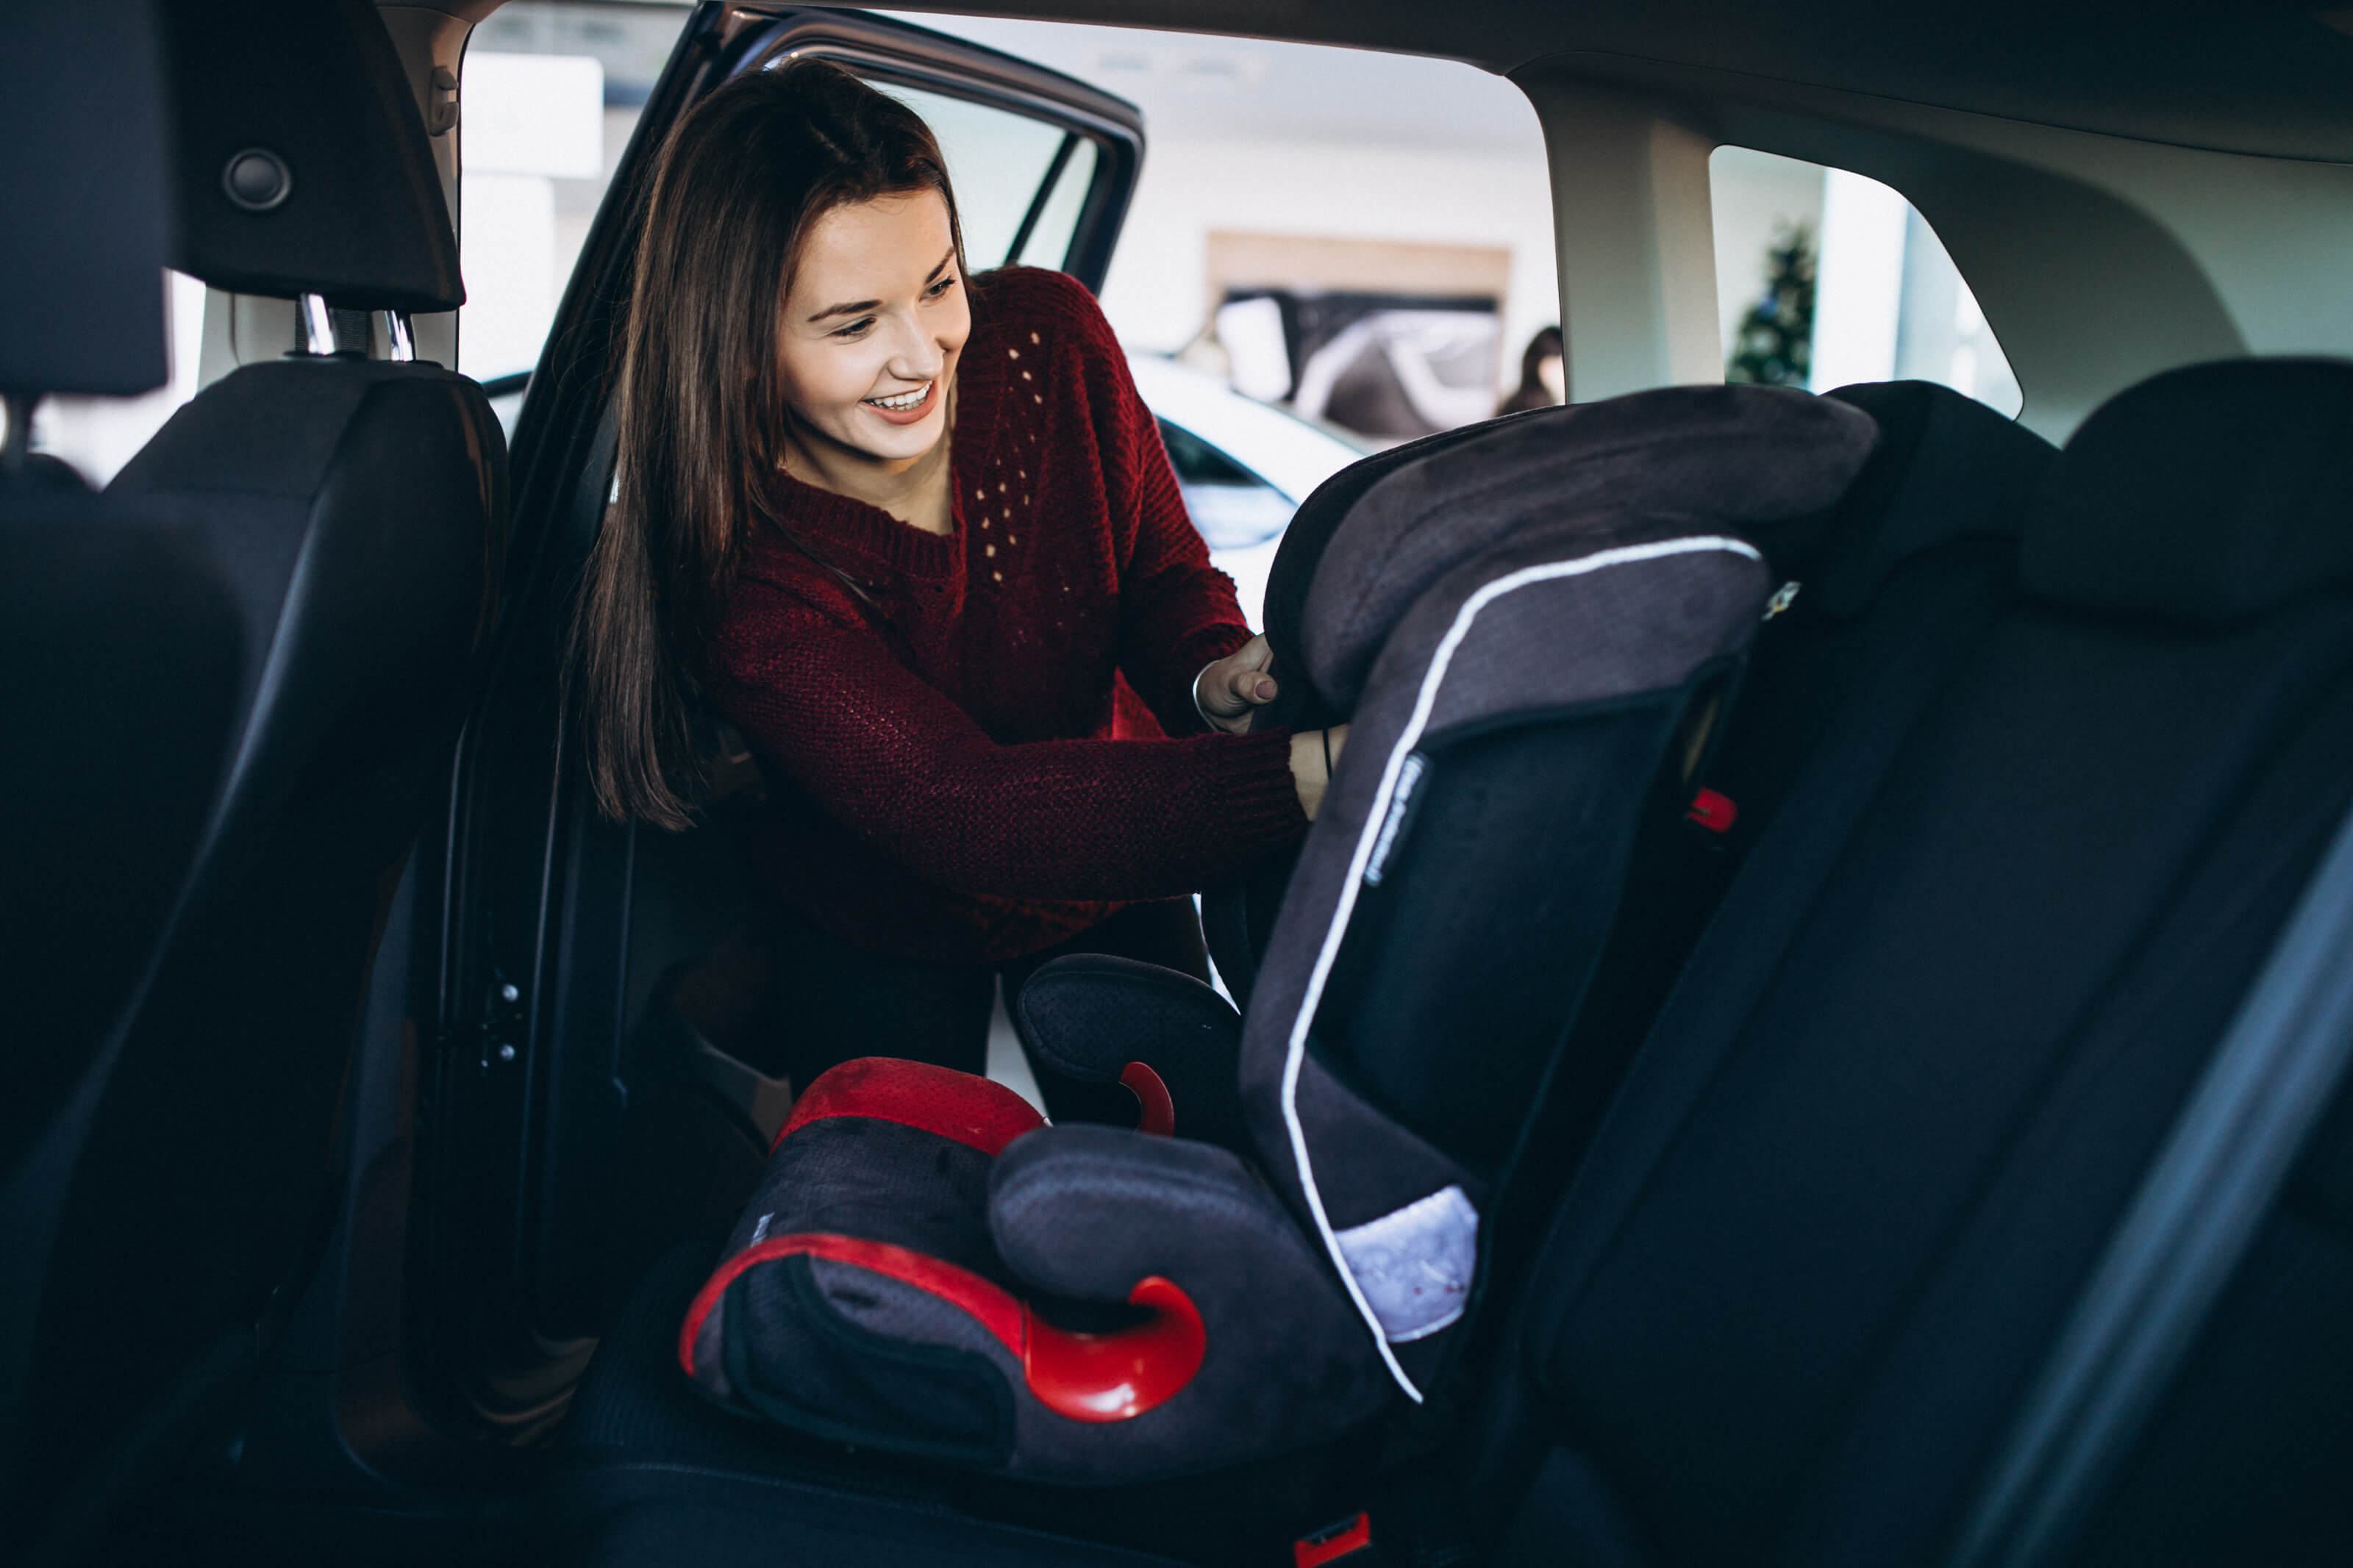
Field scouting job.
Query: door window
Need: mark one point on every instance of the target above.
(1825, 277)
(1019, 182)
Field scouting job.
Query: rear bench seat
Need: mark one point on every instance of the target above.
(1852, 1187)
(1930, 515)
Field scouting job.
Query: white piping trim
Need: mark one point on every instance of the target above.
(1374, 818)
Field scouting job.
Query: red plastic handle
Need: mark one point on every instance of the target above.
(1116, 1376)
(1151, 1098)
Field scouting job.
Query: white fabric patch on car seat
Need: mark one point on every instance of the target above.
(1415, 1264)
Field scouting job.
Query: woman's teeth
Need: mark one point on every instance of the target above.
(899, 402)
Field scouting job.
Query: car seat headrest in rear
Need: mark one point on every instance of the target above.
(1680, 459)
(1947, 467)
(84, 188)
(2209, 494)
(303, 164)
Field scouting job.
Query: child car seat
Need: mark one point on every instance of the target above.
(1523, 629)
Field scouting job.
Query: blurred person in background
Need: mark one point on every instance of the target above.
(1544, 375)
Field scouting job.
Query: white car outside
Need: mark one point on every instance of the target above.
(1244, 467)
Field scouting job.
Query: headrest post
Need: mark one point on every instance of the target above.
(401, 344)
(314, 327)
(16, 439)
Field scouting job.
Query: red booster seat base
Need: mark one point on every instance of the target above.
(929, 1268)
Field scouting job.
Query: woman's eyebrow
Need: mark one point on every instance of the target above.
(860, 307)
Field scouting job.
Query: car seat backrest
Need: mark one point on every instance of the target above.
(355, 509)
(1948, 1011)
(1579, 592)
(120, 654)
(1891, 587)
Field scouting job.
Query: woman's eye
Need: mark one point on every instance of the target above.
(855, 329)
(940, 288)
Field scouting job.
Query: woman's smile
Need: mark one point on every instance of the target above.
(904, 407)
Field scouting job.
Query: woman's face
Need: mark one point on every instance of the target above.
(874, 320)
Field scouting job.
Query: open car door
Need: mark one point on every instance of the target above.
(572, 1123)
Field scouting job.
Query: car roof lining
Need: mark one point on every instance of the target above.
(2271, 79)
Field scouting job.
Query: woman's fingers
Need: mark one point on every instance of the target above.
(1251, 686)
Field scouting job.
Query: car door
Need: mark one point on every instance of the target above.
(558, 1091)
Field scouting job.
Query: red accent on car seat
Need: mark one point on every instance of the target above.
(984, 1115)
(1087, 1377)
(1159, 1117)
(994, 1308)
(1118, 1375)
(1715, 812)
(1332, 1543)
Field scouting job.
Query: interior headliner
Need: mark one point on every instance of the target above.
(2274, 79)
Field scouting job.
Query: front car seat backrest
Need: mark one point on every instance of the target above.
(1948, 1013)
(120, 652)
(356, 508)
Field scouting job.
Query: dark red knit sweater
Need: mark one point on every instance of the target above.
(953, 776)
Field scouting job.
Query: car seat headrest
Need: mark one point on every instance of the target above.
(1685, 459)
(1947, 467)
(2209, 494)
(84, 188)
(303, 164)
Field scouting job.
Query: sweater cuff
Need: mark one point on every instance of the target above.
(1259, 801)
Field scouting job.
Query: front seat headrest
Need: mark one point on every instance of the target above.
(303, 164)
(2211, 494)
(86, 195)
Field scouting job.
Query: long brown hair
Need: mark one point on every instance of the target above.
(698, 393)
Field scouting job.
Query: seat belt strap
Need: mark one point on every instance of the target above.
(2199, 1208)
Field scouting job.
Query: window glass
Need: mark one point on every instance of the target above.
(997, 161)
(1825, 277)
(1232, 507)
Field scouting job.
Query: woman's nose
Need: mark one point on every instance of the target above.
(915, 353)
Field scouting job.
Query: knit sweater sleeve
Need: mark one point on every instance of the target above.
(897, 762)
(1177, 613)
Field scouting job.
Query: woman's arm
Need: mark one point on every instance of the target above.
(899, 763)
(1176, 612)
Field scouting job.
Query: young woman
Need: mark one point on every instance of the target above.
(913, 534)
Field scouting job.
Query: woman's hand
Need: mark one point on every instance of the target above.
(1309, 772)
(1229, 691)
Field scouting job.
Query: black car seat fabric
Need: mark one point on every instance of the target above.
(1945, 1015)
(354, 510)
(121, 651)
(1877, 597)
(1522, 640)
(85, 189)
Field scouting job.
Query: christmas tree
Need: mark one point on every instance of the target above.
(1775, 344)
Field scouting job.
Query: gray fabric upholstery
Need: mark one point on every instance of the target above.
(1646, 466)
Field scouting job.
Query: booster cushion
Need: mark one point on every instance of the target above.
(927, 1268)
